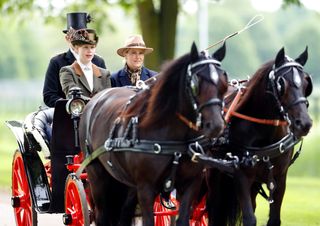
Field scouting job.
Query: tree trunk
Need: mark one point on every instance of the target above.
(158, 28)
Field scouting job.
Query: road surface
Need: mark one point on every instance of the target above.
(7, 217)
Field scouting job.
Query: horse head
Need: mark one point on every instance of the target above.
(206, 85)
(291, 87)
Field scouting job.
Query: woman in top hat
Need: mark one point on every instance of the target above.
(133, 52)
(52, 90)
(83, 73)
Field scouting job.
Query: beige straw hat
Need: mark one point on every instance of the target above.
(134, 42)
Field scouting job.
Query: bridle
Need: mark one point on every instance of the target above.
(277, 83)
(192, 91)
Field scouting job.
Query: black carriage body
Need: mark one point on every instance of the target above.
(33, 166)
(48, 199)
(62, 144)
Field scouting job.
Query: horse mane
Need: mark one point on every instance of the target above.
(256, 85)
(160, 102)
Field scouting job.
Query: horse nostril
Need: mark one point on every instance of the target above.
(303, 126)
(207, 125)
(297, 123)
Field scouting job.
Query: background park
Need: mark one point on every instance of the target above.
(31, 33)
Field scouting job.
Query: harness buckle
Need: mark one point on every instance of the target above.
(281, 148)
(157, 148)
(194, 157)
(266, 158)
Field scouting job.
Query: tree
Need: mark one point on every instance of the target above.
(157, 19)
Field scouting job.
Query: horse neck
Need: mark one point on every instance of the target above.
(169, 97)
(257, 103)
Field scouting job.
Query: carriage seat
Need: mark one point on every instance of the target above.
(39, 125)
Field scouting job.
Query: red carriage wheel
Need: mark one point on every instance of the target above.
(21, 201)
(76, 206)
(162, 215)
(200, 216)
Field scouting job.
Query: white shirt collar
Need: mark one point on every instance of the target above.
(85, 67)
(88, 72)
(76, 56)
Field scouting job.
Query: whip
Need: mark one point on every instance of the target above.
(256, 19)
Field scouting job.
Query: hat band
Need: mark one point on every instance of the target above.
(136, 44)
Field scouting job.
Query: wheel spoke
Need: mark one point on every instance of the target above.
(24, 213)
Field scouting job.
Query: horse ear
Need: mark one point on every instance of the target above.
(194, 52)
(220, 53)
(302, 59)
(280, 58)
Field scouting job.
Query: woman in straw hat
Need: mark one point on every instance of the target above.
(83, 73)
(133, 51)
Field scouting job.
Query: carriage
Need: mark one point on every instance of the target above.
(38, 169)
(37, 174)
(36, 181)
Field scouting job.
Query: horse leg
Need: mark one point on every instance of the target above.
(187, 194)
(243, 189)
(107, 207)
(275, 207)
(254, 192)
(146, 197)
(129, 207)
(222, 204)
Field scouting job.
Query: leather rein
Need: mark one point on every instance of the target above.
(230, 112)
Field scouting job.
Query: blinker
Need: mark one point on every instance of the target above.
(214, 74)
(296, 78)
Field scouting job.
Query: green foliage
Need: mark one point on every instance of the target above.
(29, 44)
(23, 56)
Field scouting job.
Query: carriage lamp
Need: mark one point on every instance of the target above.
(76, 103)
(75, 107)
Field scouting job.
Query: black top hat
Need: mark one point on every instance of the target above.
(77, 20)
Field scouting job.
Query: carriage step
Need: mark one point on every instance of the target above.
(67, 219)
(15, 201)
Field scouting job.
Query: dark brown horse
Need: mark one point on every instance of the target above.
(269, 118)
(141, 136)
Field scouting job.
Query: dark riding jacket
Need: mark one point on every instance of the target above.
(121, 77)
(52, 90)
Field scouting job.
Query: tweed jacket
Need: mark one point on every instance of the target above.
(121, 77)
(52, 90)
(71, 76)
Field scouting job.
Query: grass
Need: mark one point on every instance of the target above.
(301, 205)
(8, 145)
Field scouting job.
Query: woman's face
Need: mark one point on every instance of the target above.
(86, 52)
(134, 58)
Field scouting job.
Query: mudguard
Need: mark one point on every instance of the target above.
(37, 178)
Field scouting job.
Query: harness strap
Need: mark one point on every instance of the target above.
(271, 182)
(273, 122)
(296, 155)
(196, 152)
(143, 146)
(186, 121)
(272, 150)
(170, 181)
(89, 159)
